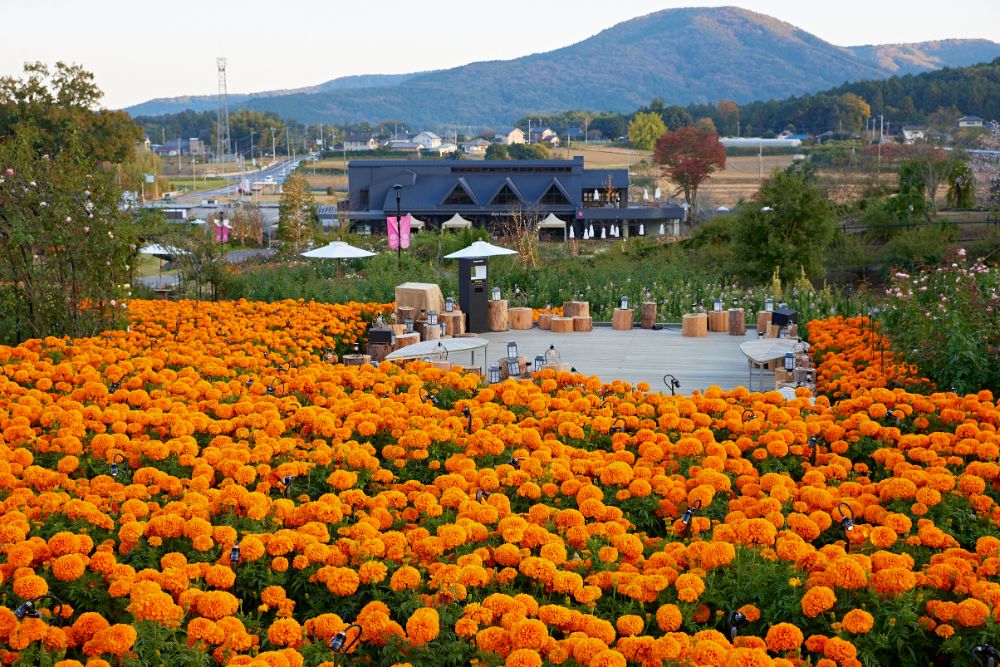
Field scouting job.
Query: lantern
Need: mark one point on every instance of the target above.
(539, 362)
(513, 367)
(444, 328)
(769, 304)
(512, 350)
(493, 374)
(432, 317)
(409, 325)
(624, 303)
(789, 361)
(496, 293)
(552, 356)
(449, 305)
(717, 305)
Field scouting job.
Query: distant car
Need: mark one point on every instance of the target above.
(269, 179)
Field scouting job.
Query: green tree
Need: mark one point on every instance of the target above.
(497, 152)
(296, 212)
(527, 152)
(786, 227)
(245, 124)
(645, 129)
(59, 105)
(65, 245)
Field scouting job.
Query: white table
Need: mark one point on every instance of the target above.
(761, 352)
(429, 347)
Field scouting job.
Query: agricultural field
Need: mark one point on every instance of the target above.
(208, 487)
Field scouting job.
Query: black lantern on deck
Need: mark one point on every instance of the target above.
(432, 317)
(493, 374)
(672, 382)
(624, 303)
(512, 350)
(495, 293)
(449, 305)
(539, 362)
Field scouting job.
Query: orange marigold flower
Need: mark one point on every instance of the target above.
(30, 587)
(669, 617)
(423, 626)
(858, 621)
(285, 632)
(972, 613)
(523, 657)
(69, 567)
(817, 600)
(783, 637)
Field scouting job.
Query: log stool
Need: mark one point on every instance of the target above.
(582, 323)
(522, 366)
(378, 351)
(648, 314)
(576, 308)
(442, 365)
(737, 322)
(454, 323)
(432, 332)
(561, 324)
(405, 313)
(695, 325)
(773, 331)
(520, 318)
(763, 320)
(718, 321)
(497, 311)
(545, 321)
(621, 320)
(406, 340)
(357, 359)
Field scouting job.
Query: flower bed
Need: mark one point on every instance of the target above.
(206, 484)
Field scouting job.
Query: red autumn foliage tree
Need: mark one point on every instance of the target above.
(689, 155)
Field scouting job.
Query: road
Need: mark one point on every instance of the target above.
(277, 172)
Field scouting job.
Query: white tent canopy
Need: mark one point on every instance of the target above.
(165, 251)
(417, 224)
(338, 250)
(480, 249)
(456, 222)
(553, 222)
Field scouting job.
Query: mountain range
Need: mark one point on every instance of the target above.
(690, 55)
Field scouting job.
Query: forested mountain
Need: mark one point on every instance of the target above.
(685, 56)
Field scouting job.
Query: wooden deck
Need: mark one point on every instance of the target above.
(641, 355)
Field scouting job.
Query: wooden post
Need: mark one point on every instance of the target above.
(621, 320)
(576, 308)
(520, 318)
(405, 313)
(695, 325)
(737, 322)
(718, 321)
(582, 323)
(356, 359)
(378, 351)
(545, 321)
(497, 311)
(773, 331)
(648, 314)
(561, 324)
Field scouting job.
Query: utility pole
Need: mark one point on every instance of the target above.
(274, 154)
(251, 147)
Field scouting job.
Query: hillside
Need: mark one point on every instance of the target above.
(684, 56)
(924, 56)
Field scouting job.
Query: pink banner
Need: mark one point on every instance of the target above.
(399, 235)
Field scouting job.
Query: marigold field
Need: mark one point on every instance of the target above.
(206, 489)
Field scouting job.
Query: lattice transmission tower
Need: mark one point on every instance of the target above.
(222, 140)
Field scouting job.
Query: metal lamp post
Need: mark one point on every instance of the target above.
(399, 214)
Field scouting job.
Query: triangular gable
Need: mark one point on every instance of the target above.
(507, 195)
(555, 195)
(460, 195)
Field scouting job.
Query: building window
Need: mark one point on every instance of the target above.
(554, 197)
(459, 196)
(505, 197)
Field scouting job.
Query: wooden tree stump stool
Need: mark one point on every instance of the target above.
(357, 359)
(497, 311)
(582, 323)
(454, 323)
(406, 340)
(648, 315)
(378, 351)
(442, 365)
(695, 325)
(431, 332)
(773, 331)
(545, 321)
(561, 367)
(763, 320)
(737, 322)
(398, 329)
(405, 313)
(718, 321)
(621, 320)
(576, 309)
(522, 366)
(561, 324)
(520, 318)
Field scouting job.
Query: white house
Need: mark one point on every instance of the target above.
(911, 134)
(510, 137)
(428, 139)
(970, 121)
(475, 147)
(358, 142)
(543, 135)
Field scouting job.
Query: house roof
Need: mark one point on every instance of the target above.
(358, 138)
(972, 118)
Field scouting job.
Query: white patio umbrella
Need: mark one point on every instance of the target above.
(592, 230)
(642, 230)
(645, 194)
(339, 251)
(572, 233)
(657, 194)
(586, 234)
(663, 229)
(604, 232)
(480, 249)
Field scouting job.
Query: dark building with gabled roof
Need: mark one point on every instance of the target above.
(488, 192)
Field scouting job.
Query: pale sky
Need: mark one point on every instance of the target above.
(140, 50)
